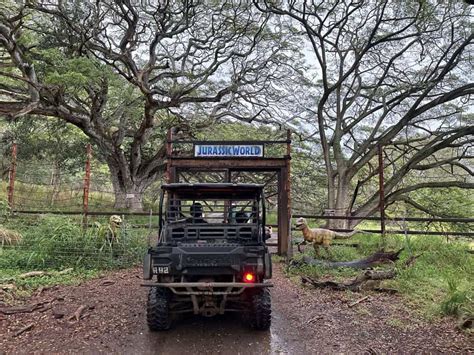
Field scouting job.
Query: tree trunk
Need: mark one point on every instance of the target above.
(338, 202)
(129, 199)
(128, 190)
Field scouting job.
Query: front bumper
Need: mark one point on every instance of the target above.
(207, 288)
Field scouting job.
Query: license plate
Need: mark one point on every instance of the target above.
(161, 270)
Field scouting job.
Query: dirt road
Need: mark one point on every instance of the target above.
(305, 321)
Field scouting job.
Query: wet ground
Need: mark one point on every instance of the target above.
(304, 321)
(218, 335)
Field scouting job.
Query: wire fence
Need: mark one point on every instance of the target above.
(147, 222)
(50, 186)
(38, 188)
(54, 241)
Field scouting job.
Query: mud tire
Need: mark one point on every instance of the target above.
(158, 309)
(261, 314)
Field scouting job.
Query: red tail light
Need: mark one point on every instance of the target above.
(249, 277)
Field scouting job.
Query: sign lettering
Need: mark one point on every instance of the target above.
(214, 150)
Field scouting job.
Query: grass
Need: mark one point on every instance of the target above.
(59, 242)
(443, 270)
(54, 243)
(440, 282)
(24, 287)
(457, 301)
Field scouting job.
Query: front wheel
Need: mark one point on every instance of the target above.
(261, 312)
(158, 309)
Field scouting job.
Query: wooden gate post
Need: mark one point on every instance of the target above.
(170, 174)
(288, 192)
(284, 204)
(11, 178)
(169, 149)
(87, 182)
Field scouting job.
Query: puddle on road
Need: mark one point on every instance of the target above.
(277, 344)
(225, 334)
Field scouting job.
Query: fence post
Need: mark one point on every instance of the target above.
(87, 182)
(288, 191)
(11, 178)
(381, 193)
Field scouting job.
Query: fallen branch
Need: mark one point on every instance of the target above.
(24, 329)
(32, 274)
(354, 285)
(360, 300)
(390, 291)
(351, 245)
(411, 260)
(19, 309)
(377, 258)
(65, 271)
(42, 289)
(44, 273)
(47, 305)
(25, 308)
(78, 313)
(107, 283)
(45, 308)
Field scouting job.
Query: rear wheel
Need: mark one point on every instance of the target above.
(158, 309)
(261, 313)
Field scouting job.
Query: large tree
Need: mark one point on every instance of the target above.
(391, 74)
(124, 71)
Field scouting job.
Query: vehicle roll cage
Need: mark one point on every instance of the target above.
(212, 211)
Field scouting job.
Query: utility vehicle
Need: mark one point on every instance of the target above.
(211, 255)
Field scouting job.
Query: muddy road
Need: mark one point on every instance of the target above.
(304, 321)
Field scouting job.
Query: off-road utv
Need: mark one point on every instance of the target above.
(211, 256)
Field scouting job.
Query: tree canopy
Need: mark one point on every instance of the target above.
(347, 76)
(397, 75)
(123, 72)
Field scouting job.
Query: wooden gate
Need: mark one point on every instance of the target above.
(237, 161)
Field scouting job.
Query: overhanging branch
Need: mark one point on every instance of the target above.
(428, 185)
